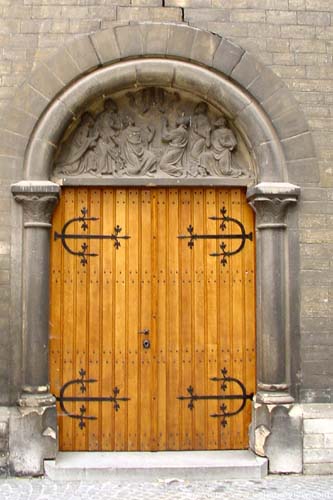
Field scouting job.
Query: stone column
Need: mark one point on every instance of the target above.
(272, 427)
(38, 200)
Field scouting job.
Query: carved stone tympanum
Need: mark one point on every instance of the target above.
(152, 132)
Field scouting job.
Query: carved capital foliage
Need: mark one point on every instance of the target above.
(38, 202)
(271, 212)
(271, 201)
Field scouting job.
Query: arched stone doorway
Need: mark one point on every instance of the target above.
(215, 70)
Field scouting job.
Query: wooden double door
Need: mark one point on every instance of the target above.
(152, 318)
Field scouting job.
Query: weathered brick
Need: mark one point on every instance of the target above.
(146, 13)
(217, 15)
(322, 5)
(314, 18)
(282, 17)
(188, 3)
(247, 16)
(313, 441)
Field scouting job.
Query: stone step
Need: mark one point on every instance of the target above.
(152, 466)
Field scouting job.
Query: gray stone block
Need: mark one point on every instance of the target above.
(318, 426)
(227, 56)
(20, 122)
(106, 46)
(264, 153)
(284, 444)
(291, 123)
(155, 38)
(303, 171)
(204, 47)
(83, 53)
(315, 456)
(49, 126)
(63, 66)
(30, 100)
(299, 147)
(12, 144)
(130, 40)
(45, 81)
(187, 78)
(313, 441)
(154, 73)
(318, 411)
(265, 85)
(318, 469)
(247, 119)
(32, 439)
(246, 70)
(180, 41)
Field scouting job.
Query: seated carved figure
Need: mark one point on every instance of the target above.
(218, 161)
(177, 139)
(77, 154)
(137, 158)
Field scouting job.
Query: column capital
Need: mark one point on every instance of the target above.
(270, 201)
(38, 199)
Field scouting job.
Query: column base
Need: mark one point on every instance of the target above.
(33, 397)
(276, 432)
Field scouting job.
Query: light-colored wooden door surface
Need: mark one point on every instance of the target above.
(199, 313)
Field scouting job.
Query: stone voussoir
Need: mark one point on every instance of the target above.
(180, 41)
(204, 47)
(106, 46)
(84, 54)
(227, 56)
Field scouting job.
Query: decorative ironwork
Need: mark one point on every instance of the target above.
(242, 236)
(86, 399)
(83, 253)
(243, 397)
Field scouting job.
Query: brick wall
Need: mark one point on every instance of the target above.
(293, 37)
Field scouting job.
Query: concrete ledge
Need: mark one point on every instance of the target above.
(147, 466)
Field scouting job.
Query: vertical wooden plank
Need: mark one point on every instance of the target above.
(224, 308)
(56, 305)
(81, 326)
(120, 321)
(173, 331)
(212, 311)
(199, 306)
(107, 352)
(146, 383)
(249, 371)
(186, 316)
(94, 322)
(134, 300)
(160, 317)
(68, 327)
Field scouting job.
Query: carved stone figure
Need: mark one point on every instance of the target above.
(199, 140)
(177, 139)
(138, 160)
(107, 127)
(218, 161)
(152, 97)
(132, 136)
(77, 156)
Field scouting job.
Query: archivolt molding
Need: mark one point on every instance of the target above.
(253, 98)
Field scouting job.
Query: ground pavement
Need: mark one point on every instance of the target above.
(271, 488)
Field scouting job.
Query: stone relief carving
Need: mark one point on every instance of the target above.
(152, 133)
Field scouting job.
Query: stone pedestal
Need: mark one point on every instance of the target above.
(32, 432)
(276, 426)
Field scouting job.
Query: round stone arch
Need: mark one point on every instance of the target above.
(259, 106)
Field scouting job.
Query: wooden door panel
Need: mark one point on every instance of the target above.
(200, 315)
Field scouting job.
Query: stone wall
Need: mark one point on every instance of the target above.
(294, 39)
(318, 439)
